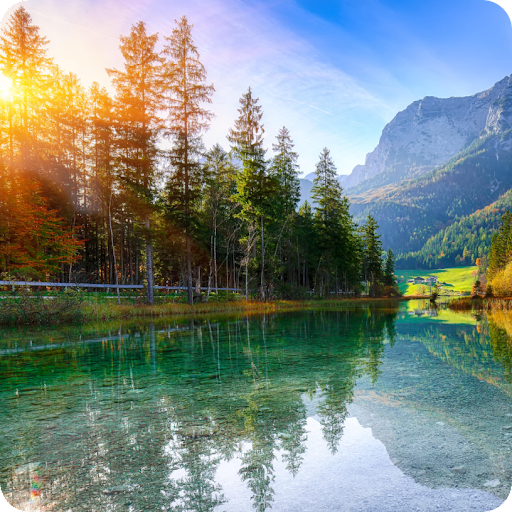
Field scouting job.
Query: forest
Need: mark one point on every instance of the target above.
(499, 265)
(89, 192)
(461, 243)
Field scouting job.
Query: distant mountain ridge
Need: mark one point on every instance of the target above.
(429, 132)
(411, 213)
(437, 164)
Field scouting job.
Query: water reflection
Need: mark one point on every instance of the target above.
(154, 417)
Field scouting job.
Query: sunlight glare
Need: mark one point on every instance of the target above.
(5, 86)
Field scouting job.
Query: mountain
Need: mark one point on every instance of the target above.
(305, 191)
(412, 212)
(437, 164)
(428, 133)
(311, 176)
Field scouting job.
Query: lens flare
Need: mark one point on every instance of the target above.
(5, 86)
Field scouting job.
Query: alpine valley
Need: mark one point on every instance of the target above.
(439, 180)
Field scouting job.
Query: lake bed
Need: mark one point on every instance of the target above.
(360, 409)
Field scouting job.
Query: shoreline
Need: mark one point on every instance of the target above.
(49, 312)
(127, 311)
(480, 303)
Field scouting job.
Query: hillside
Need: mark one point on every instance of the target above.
(412, 213)
(462, 242)
(451, 280)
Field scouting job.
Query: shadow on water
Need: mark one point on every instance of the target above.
(161, 416)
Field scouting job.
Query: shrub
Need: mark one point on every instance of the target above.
(28, 307)
(501, 283)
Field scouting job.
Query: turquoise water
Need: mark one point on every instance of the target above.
(369, 409)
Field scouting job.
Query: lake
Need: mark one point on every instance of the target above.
(371, 408)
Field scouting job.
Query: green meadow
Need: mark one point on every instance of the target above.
(452, 280)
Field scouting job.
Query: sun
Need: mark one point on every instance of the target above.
(5, 86)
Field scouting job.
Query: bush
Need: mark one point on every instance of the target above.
(35, 308)
(501, 283)
(391, 291)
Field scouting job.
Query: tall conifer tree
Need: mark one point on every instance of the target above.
(372, 255)
(139, 98)
(24, 61)
(334, 225)
(389, 269)
(286, 170)
(187, 119)
(255, 188)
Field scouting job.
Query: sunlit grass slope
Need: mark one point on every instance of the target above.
(457, 279)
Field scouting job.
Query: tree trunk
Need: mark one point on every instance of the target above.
(113, 248)
(262, 260)
(215, 253)
(190, 294)
(149, 262)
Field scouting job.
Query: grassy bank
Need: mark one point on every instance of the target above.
(481, 304)
(75, 308)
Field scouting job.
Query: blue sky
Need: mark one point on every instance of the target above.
(333, 72)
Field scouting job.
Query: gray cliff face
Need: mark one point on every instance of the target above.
(431, 131)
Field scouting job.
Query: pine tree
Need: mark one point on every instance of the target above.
(307, 245)
(23, 60)
(140, 100)
(333, 223)
(187, 119)
(286, 170)
(255, 188)
(372, 259)
(389, 269)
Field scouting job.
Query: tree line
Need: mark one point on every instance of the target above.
(89, 194)
(461, 243)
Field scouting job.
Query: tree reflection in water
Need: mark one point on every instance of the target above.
(145, 418)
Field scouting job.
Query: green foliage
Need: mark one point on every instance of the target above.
(499, 269)
(372, 259)
(35, 308)
(285, 169)
(338, 244)
(389, 269)
(461, 243)
(114, 207)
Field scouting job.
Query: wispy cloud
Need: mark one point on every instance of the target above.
(328, 84)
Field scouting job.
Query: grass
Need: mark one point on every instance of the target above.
(481, 304)
(27, 308)
(72, 307)
(453, 280)
(103, 311)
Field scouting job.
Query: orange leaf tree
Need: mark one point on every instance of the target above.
(34, 241)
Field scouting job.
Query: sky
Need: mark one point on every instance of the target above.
(334, 72)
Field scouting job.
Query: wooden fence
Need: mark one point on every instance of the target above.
(106, 286)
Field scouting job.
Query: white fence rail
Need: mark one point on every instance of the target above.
(106, 286)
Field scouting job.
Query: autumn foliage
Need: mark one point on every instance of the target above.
(34, 241)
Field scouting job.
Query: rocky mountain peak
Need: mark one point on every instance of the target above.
(431, 131)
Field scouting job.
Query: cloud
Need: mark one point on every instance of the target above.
(242, 44)
(506, 5)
